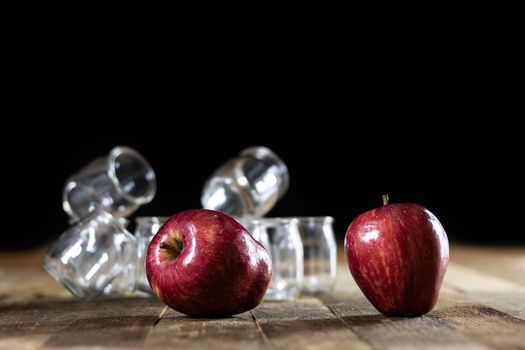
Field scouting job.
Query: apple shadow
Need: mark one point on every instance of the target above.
(181, 317)
(373, 319)
(276, 327)
(175, 316)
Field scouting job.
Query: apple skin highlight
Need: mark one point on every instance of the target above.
(398, 255)
(204, 263)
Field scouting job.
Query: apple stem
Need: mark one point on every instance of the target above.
(173, 248)
(385, 199)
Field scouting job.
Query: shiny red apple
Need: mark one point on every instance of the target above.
(398, 255)
(204, 263)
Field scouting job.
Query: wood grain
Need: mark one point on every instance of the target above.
(488, 326)
(305, 324)
(482, 306)
(395, 332)
(175, 330)
(51, 324)
(505, 262)
(492, 291)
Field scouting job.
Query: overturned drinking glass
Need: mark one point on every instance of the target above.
(119, 183)
(320, 254)
(247, 185)
(91, 255)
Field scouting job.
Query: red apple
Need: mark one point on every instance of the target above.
(398, 255)
(204, 263)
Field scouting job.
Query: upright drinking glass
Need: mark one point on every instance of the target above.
(89, 256)
(281, 238)
(146, 228)
(320, 254)
(119, 183)
(257, 230)
(247, 185)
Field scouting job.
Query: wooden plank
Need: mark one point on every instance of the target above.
(492, 291)
(23, 279)
(482, 306)
(53, 324)
(117, 323)
(22, 259)
(305, 324)
(486, 325)
(504, 262)
(176, 331)
(396, 332)
(345, 283)
(29, 284)
(28, 325)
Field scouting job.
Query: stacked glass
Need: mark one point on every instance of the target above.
(303, 249)
(98, 256)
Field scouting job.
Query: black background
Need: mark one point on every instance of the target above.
(352, 117)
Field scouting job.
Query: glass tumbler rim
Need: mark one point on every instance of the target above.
(298, 219)
(71, 184)
(316, 219)
(276, 220)
(112, 173)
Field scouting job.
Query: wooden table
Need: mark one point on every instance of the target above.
(482, 306)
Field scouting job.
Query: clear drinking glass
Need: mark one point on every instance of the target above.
(257, 230)
(146, 228)
(320, 254)
(89, 256)
(282, 239)
(247, 185)
(124, 282)
(119, 183)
